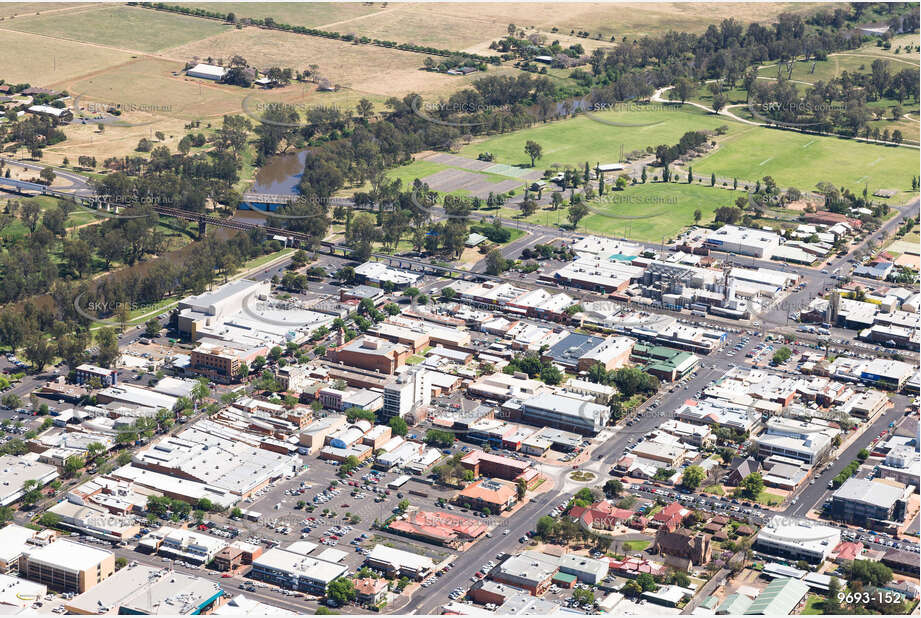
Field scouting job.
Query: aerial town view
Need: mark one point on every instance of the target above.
(460, 308)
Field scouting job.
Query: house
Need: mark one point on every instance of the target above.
(671, 516)
(602, 515)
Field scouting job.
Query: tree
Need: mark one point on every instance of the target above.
(719, 102)
(545, 526)
(496, 264)
(341, 590)
(49, 519)
(697, 215)
(577, 212)
(528, 207)
(533, 150)
(613, 488)
(152, 327)
(72, 465)
(521, 489)
(584, 596)
(692, 477)
(683, 89)
(713, 179)
(646, 582)
(752, 486)
(403, 505)
(398, 426)
(31, 492)
(38, 350)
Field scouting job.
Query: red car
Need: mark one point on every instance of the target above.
(227, 575)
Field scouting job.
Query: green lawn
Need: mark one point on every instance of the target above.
(813, 605)
(636, 545)
(799, 160)
(594, 139)
(121, 26)
(416, 169)
(715, 489)
(645, 212)
(769, 499)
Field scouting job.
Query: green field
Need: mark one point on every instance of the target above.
(590, 138)
(120, 26)
(799, 160)
(636, 545)
(647, 212)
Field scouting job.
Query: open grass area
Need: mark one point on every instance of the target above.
(124, 27)
(716, 490)
(799, 160)
(647, 212)
(813, 606)
(590, 138)
(310, 14)
(636, 545)
(60, 59)
(769, 499)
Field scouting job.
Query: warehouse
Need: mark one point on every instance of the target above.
(207, 71)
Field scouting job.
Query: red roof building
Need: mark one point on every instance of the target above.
(671, 516)
(601, 515)
(439, 527)
(631, 567)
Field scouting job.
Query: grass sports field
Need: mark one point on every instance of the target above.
(120, 26)
(647, 212)
(795, 159)
(589, 138)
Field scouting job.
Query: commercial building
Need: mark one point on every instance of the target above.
(408, 393)
(886, 373)
(396, 562)
(222, 361)
(14, 539)
(296, 572)
(779, 598)
(131, 395)
(869, 503)
(243, 606)
(583, 416)
(489, 465)
(371, 354)
(493, 494)
(744, 241)
(439, 527)
(144, 590)
(217, 456)
(66, 566)
(587, 570)
(84, 373)
(15, 471)
(807, 441)
(19, 593)
(797, 539)
(530, 570)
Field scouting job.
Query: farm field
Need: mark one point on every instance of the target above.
(647, 212)
(62, 60)
(9, 10)
(472, 27)
(799, 160)
(123, 27)
(365, 68)
(584, 138)
(310, 14)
